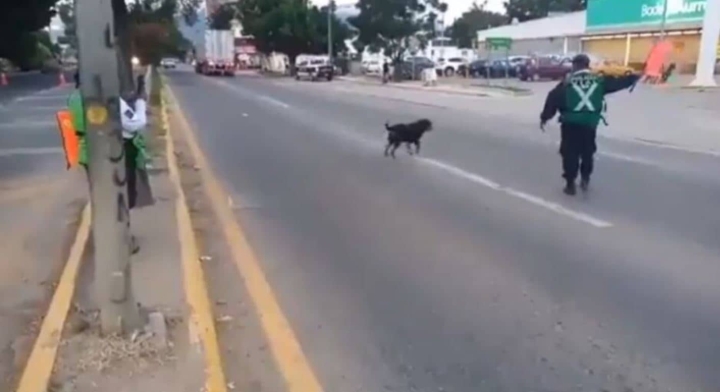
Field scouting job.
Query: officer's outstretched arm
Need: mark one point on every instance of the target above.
(615, 83)
(553, 103)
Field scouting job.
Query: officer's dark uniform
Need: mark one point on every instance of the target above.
(580, 99)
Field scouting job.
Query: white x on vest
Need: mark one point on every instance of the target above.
(585, 97)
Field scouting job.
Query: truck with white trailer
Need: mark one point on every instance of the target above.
(216, 54)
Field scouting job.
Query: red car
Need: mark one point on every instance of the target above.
(545, 67)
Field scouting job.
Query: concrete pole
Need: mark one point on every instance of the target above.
(100, 87)
(628, 48)
(330, 20)
(705, 70)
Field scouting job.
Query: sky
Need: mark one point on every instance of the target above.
(455, 7)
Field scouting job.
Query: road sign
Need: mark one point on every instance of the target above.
(498, 43)
(618, 14)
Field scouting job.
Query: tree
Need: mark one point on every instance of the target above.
(389, 25)
(167, 9)
(464, 30)
(287, 26)
(18, 20)
(223, 16)
(340, 32)
(153, 29)
(525, 10)
(66, 12)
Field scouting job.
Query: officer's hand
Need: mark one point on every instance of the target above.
(542, 125)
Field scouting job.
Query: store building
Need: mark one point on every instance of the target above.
(560, 33)
(623, 31)
(626, 30)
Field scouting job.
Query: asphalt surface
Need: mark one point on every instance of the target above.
(29, 139)
(36, 196)
(467, 269)
(20, 84)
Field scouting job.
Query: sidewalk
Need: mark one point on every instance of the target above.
(171, 353)
(445, 85)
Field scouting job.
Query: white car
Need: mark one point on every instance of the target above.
(169, 62)
(451, 66)
(372, 67)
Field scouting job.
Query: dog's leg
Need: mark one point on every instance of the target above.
(409, 148)
(394, 147)
(417, 147)
(387, 149)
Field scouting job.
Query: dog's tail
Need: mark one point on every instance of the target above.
(387, 126)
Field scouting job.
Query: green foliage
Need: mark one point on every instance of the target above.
(390, 24)
(534, 9)
(223, 16)
(18, 20)
(66, 11)
(154, 32)
(291, 27)
(464, 30)
(340, 32)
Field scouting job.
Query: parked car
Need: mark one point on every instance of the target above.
(545, 67)
(169, 62)
(371, 67)
(607, 67)
(501, 69)
(517, 61)
(315, 69)
(451, 66)
(478, 69)
(412, 67)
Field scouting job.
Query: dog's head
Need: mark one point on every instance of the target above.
(425, 124)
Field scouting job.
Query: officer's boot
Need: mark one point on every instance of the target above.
(570, 188)
(585, 184)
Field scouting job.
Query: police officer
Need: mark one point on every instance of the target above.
(580, 100)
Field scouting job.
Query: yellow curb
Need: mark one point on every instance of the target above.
(287, 352)
(38, 370)
(201, 323)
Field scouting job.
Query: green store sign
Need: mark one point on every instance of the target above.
(602, 14)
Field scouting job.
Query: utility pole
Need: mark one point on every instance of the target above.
(663, 21)
(100, 88)
(331, 4)
(705, 70)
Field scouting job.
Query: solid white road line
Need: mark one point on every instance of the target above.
(28, 124)
(475, 178)
(273, 101)
(538, 201)
(8, 152)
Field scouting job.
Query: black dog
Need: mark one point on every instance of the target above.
(406, 133)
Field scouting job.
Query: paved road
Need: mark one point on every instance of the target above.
(20, 84)
(36, 205)
(466, 269)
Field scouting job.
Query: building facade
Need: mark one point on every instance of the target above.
(560, 33)
(626, 30)
(622, 31)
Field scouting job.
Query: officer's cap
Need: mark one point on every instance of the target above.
(581, 61)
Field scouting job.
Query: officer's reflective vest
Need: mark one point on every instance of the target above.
(584, 99)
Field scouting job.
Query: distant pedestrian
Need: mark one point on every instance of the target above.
(580, 100)
(386, 72)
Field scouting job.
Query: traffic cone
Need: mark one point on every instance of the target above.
(3, 79)
(61, 81)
